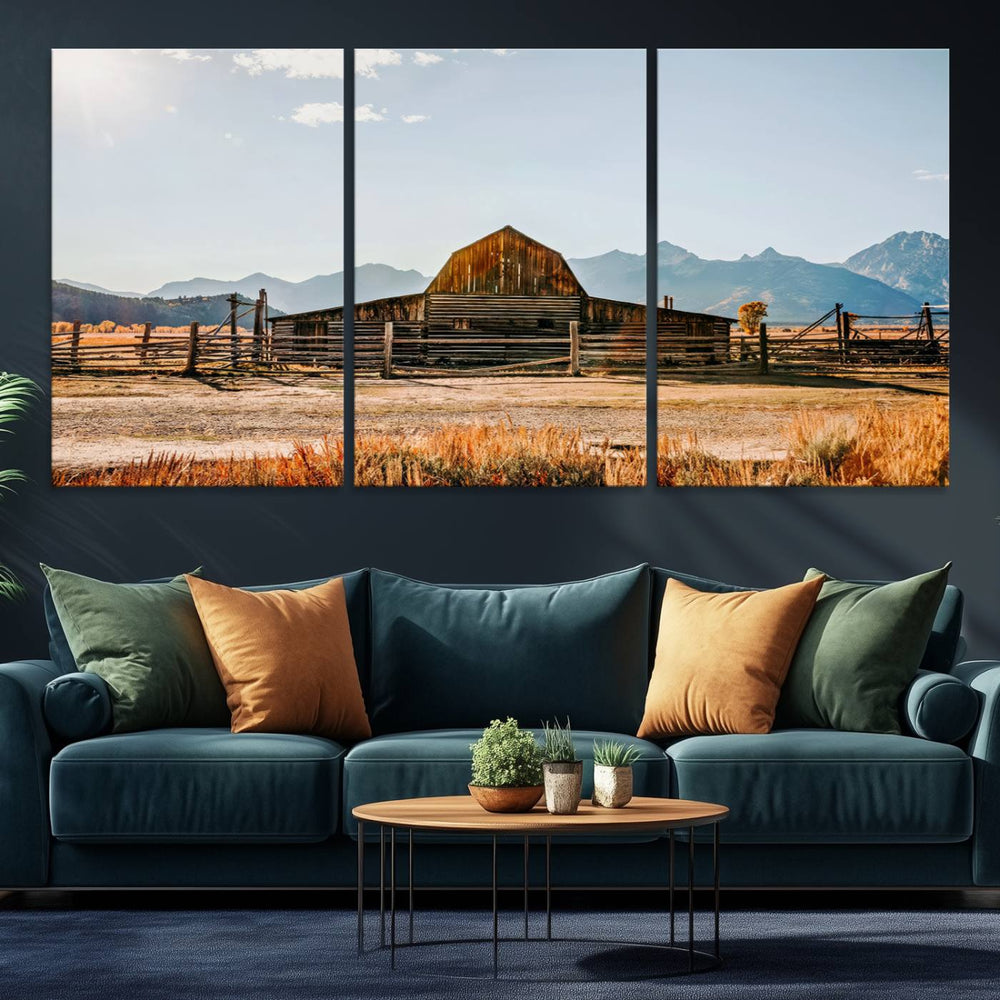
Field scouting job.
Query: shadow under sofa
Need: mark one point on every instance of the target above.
(209, 808)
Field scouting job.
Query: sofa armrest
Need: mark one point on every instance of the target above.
(983, 676)
(25, 752)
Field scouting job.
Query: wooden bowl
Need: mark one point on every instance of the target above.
(517, 799)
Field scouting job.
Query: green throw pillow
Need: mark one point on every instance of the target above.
(860, 649)
(146, 641)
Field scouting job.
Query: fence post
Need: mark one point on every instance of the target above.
(840, 332)
(257, 352)
(387, 352)
(574, 347)
(845, 322)
(929, 323)
(74, 348)
(191, 366)
(764, 366)
(147, 329)
(234, 344)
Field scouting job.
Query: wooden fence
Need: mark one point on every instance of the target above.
(409, 347)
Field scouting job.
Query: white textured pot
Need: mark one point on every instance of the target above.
(612, 786)
(563, 781)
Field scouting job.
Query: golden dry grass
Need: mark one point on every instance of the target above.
(308, 465)
(874, 448)
(495, 455)
(459, 455)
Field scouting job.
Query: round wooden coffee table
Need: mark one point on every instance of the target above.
(460, 814)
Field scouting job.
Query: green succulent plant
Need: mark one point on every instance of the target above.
(506, 756)
(559, 748)
(612, 753)
(16, 392)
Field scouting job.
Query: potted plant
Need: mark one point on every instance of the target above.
(613, 773)
(563, 772)
(506, 768)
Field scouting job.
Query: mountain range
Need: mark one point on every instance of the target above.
(73, 303)
(889, 278)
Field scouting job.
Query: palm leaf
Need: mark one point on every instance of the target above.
(16, 393)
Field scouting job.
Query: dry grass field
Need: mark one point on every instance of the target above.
(870, 447)
(862, 427)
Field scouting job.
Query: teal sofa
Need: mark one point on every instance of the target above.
(81, 807)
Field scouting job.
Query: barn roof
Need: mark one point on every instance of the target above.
(506, 262)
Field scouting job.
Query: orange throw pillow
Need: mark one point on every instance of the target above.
(721, 658)
(285, 659)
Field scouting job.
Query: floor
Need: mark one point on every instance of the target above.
(299, 946)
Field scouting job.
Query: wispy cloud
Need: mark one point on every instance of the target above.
(427, 58)
(318, 113)
(368, 61)
(927, 175)
(367, 113)
(296, 64)
(185, 55)
(414, 119)
(500, 52)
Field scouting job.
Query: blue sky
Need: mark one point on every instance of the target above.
(452, 145)
(172, 164)
(817, 153)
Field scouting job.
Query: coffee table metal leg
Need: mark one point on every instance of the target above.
(715, 875)
(548, 888)
(496, 919)
(671, 891)
(361, 887)
(526, 887)
(691, 899)
(392, 898)
(410, 894)
(381, 885)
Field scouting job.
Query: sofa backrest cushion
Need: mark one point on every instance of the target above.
(456, 657)
(942, 645)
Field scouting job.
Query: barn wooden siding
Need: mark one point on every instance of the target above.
(506, 263)
(468, 330)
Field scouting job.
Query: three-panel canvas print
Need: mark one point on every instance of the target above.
(502, 327)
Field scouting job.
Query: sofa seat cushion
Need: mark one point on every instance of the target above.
(438, 762)
(186, 786)
(822, 786)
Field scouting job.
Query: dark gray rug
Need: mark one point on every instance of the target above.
(243, 954)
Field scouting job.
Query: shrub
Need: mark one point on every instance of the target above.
(506, 757)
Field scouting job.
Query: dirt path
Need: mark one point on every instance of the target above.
(111, 420)
(104, 421)
(748, 418)
(603, 407)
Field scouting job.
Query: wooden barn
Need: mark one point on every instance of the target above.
(504, 301)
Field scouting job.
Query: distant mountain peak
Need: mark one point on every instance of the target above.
(914, 262)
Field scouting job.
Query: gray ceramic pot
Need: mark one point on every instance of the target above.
(563, 782)
(612, 786)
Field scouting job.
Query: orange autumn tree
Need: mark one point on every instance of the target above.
(750, 315)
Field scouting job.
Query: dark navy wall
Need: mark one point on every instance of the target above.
(754, 536)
